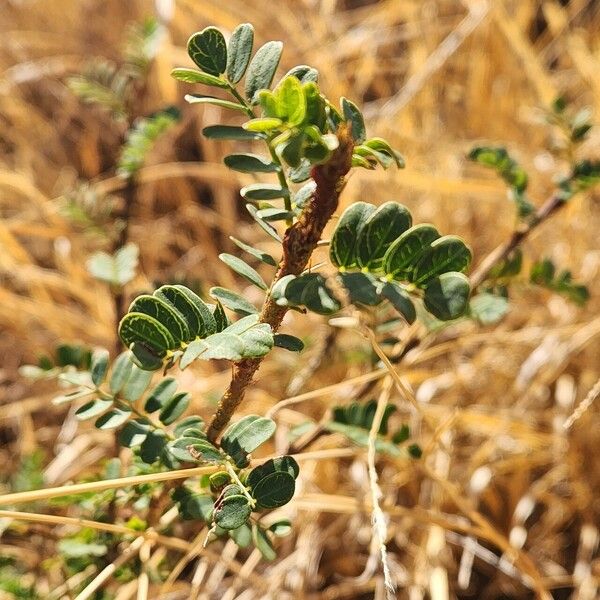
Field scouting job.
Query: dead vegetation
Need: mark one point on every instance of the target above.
(503, 503)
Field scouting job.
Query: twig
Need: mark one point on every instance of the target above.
(585, 404)
(169, 542)
(104, 575)
(379, 522)
(99, 486)
(516, 239)
(299, 242)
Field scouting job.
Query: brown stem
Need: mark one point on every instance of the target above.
(299, 242)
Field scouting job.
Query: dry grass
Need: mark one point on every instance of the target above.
(504, 503)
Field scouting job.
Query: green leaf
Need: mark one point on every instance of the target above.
(201, 99)
(262, 256)
(136, 383)
(232, 512)
(381, 146)
(152, 446)
(403, 254)
(488, 308)
(174, 408)
(361, 414)
(92, 409)
(138, 327)
(280, 464)
(373, 156)
(342, 248)
(352, 113)
(229, 132)
(141, 138)
(221, 320)
(233, 301)
(401, 435)
(275, 214)
(117, 269)
(268, 103)
(243, 269)
(301, 173)
(308, 290)
(242, 536)
(400, 300)
(244, 436)
(194, 449)
(70, 396)
(509, 267)
(193, 506)
(281, 528)
(315, 106)
(274, 490)
(112, 419)
(99, 366)
(263, 191)
(193, 76)
(291, 151)
(250, 163)
(382, 227)
(190, 307)
(247, 338)
(506, 167)
(361, 161)
(291, 102)
(164, 313)
(133, 434)
(208, 50)
(288, 342)
(192, 422)
(239, 51)
(263, 124)
(221, 346)
(145, 357)
(448, 253)
(303, 73)
(159, 396)
(263, 543)
(362, 288)
(447, 296)
(264, 226)
(262, 68)
(74, 548)
(360, 436)
(304, 194)
(121, 369)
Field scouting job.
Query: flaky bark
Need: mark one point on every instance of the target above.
(299, 242)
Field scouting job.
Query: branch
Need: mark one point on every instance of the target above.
(516, 239)
(298, 245)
